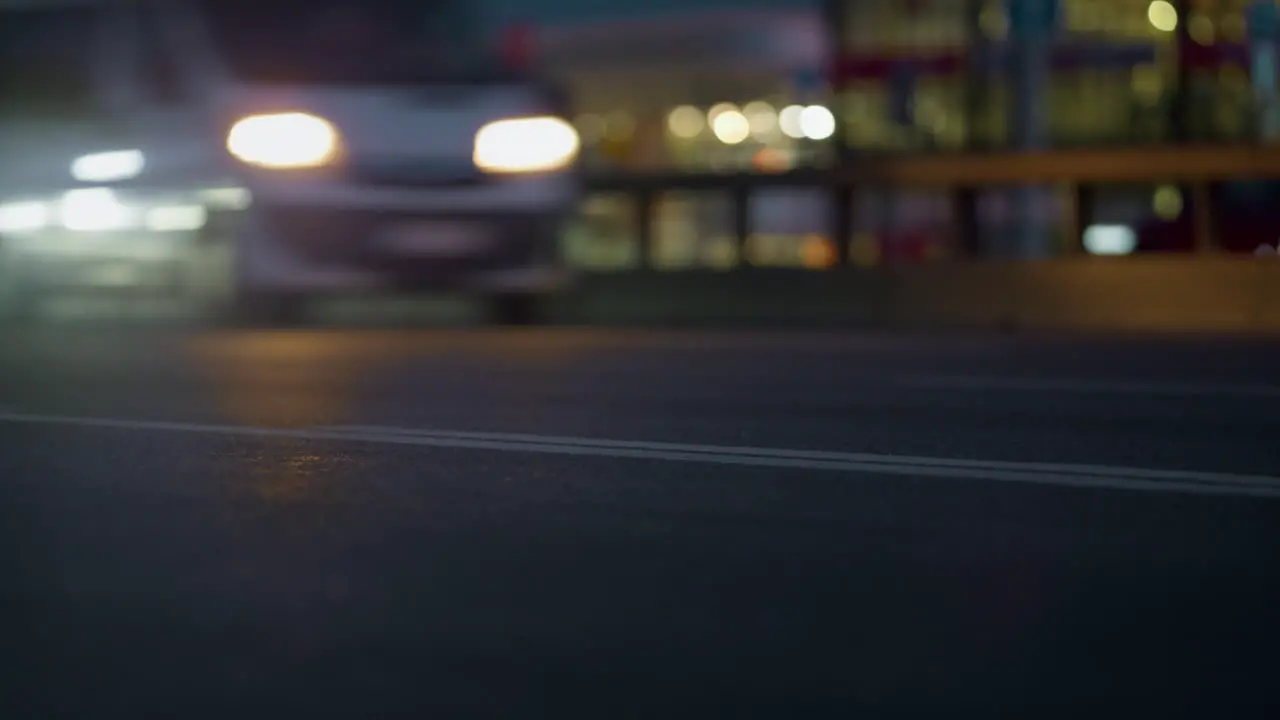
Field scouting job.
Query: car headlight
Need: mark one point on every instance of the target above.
(522, 145)
(25, 216)
(94, 210)
(284, 141)
(108, 166)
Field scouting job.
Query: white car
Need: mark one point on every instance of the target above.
(334, 146)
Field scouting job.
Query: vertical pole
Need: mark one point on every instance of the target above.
(976, 86)
(1032, 23)
(835, 20)
(644, 209)
(1264, 47)
(1202, 217)
(965, 200)
(1180, 124)
(741, 204)
(1083, 200)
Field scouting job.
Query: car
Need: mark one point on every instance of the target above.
(372, 145)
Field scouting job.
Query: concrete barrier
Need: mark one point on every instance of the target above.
(1208, 294)
(1143, 294)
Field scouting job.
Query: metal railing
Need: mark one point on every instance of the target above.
(1082, 173)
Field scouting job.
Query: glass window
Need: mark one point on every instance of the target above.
(693, 230)
(349, 41)
(46, 63)
(158, 69)
(604, 236)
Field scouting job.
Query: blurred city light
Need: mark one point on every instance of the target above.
(23, 216)
(108, 166)
(178, 218)
(789, 121)
(762, 118)
(731, 127)
(1167, 202)
(817, 122)
(94, 209)
(685, 122)
(1162, 15)
(1110, 240)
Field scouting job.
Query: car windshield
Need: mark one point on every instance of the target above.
(46, 63)
(346, 41)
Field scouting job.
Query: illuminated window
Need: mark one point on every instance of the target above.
(731, 127)
(1201, 29)
(686, 122)
(994, 21)
(762, 119)
(1167, 202)
(1162, 15)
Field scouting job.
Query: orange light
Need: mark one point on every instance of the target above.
(818, 253)
(770, 160)
(518, 46)
(865, 250)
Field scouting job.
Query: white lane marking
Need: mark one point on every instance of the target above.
(1081, 476)
(960, 382)
(825, 455)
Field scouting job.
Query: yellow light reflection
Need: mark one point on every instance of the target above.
(285, 379)
(1162, 15)
(864, 250)
(1167, 202)
(818, 253)
(1201, 30)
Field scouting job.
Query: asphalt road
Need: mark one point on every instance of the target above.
(627, 524)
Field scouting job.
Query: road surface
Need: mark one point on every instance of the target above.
(555, 523)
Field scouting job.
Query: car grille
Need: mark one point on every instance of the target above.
(420, 173)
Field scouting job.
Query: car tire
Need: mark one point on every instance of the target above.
(515, 309)
(19, 303)
(19, 309)
(269, 310)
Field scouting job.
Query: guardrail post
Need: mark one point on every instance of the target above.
(841, 222)
(644, 227)
(835, 17)
(1083, 201)
(1180, 107)
(977, 86)
(968, 230)
(1202, 220)
(741, 202)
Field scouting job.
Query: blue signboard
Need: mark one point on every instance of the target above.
(571, 12)
(902, 95)
(1264, 21)
(809, 81)
(1032, 19)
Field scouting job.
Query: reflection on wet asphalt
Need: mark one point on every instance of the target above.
(183, 569)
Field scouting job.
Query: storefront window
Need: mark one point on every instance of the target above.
(921, 75)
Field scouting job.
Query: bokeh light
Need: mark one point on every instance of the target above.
(817, 122)
(731, 127)
(1162, 15)
(685, 122)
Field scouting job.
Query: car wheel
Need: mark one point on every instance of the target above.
(18, 302)
(18, 308)
(515, 309)
(269, 310)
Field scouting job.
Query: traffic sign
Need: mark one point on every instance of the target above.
(1032, 19)
(1263, 19)
(808, 83)
(809, 79)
